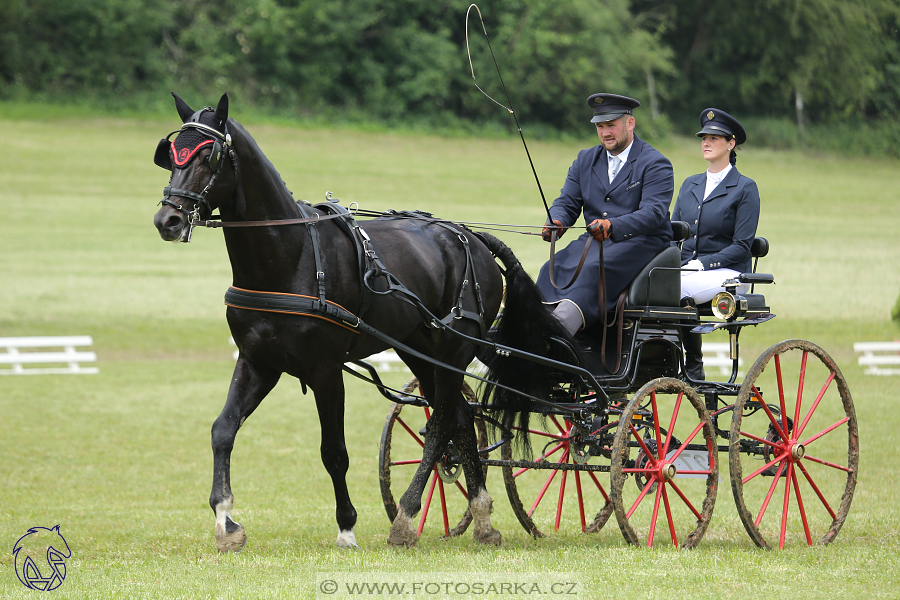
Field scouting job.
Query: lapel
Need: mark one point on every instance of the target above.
(601, 168)
(730, 181)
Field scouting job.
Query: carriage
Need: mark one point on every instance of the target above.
(792, 457)
(314, 293)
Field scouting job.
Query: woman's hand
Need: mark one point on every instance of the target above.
(549, 227)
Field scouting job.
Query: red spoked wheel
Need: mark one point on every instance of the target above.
(400, 453)
(794, 447)
(667, 492)
(559, 495)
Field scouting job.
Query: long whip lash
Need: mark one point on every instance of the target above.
(503, 85)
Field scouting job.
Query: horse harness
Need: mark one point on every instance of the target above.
(375, 278)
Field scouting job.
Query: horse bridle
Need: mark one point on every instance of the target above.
(221, 143)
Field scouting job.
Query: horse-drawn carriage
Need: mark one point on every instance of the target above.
(659, 433)
(615, 401)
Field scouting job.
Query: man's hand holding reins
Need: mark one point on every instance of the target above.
(599, 229)
(550, 227)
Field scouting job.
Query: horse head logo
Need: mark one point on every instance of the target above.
(40, 557)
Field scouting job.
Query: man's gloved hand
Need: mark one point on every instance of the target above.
(691, 267)
(599, 229)
(548, 228)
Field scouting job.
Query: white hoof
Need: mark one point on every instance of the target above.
(346, 539)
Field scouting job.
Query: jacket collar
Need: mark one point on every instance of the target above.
(601, 164)
(699, 189)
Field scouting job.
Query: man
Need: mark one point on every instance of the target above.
(623, 187)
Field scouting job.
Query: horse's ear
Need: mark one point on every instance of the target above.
(222, 109)
(184, 111)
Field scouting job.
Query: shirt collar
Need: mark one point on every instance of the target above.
(718, 177)
(623, 155)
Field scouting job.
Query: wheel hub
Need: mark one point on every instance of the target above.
(798, 451)
(668, 472)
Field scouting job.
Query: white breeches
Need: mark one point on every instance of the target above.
(701, 286)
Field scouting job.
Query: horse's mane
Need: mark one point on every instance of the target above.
(258, 155)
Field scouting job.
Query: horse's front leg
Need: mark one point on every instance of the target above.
(249, 386)
(328, 386)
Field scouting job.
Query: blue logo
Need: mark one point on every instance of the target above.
(40, 557)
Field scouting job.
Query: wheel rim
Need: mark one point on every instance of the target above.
(675, 461)
(794, 447)
(400, 454)
(546, 500)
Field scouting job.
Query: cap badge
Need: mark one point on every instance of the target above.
(710, 115)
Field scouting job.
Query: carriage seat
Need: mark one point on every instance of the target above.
(659, 283)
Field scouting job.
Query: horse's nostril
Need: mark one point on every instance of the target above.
(173, 222)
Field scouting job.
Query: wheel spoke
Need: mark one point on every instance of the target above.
(650, 481)
(580, 501)
(685, 443)
(800, 386)
(765, 503)
(414, 435)
(427, 502)
(768, 411)
(665, 451)
(599, 487)
(799, 430)
(542, 492)
(780, 381)
(827, 464)
(642, 444)
(443, 505)
(827, 430)
(543, 456)
(659, 441)
(800, 506)
(787, 499)
(759, 439)
(816, 490)
(405, 462)
(656, 500)
(684, 498)
(562, 429)
(665, 496)
(764, 467)
(462, 490)
(562, 493)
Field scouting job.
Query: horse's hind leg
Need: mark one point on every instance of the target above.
(437, 434)
(480, 503)
(328, 386)
(248, 388)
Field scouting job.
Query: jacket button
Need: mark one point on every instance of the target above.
(604, 214)
(607, 199)
(695, 222)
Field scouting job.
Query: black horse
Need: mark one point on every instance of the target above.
(301, 283)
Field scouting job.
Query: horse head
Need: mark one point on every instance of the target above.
(40, 557)
(201, 179)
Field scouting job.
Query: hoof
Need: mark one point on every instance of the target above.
(403, 532)
(489, 538)
(231, 537)
(346, 540)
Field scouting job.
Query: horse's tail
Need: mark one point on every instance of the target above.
(525, 324)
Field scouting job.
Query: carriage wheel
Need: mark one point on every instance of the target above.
(667, 492)
(794, 447)
(564, 506)
(400, 453)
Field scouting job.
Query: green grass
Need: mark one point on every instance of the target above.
(121, 459)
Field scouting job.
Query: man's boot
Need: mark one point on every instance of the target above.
(693, 355)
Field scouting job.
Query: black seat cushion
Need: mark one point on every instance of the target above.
(659, 283)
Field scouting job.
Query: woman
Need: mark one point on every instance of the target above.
(722, 208)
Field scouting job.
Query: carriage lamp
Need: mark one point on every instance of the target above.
(729, 305)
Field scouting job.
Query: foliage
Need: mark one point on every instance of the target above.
(895, 312)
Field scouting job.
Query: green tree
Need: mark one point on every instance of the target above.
(769, 57)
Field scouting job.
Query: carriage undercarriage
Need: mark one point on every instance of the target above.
(648, 448)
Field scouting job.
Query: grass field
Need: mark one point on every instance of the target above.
(121, 459)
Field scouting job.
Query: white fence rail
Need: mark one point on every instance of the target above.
(55, 354)
(877, 355)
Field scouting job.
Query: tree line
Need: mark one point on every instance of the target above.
(801, 62)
